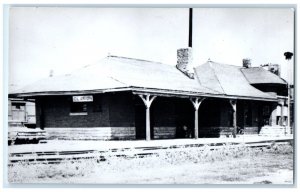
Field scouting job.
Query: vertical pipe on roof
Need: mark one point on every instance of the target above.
(191, 27)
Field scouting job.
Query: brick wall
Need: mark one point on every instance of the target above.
(88, 133)
(56, 111)
(124, 114)
(113, 112)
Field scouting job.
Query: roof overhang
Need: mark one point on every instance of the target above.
(59, 93)
(141, 90)
(164, 93)
(270, 84)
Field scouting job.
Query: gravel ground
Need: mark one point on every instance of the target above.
(226, 165)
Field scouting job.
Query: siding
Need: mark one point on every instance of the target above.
(56, 111)
(111, 116)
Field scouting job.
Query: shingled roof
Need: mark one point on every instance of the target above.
(258, 75)
(227, 79)
(115, 73)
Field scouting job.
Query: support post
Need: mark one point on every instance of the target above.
(282, 122)
(233, 105)
(147, 99)
(41, 115)
(288, 57)
(196, 103)
(25, 113)
(281, 113)
(289, 110)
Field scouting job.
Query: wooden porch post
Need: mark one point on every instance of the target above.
(281, 114)
(147, 101)
(233, 104)
(281, 103)
(41, 113)
(196, 103)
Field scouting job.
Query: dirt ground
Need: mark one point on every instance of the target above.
(187, 166)
(265, 169)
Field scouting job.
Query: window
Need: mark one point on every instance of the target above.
(18, 106)
(78, 109)
(79, 104)
(281, 121)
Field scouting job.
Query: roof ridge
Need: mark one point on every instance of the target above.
(117, 80)
(252, 67)
(197, 77)
(216, 75)
(241, 69)
(136, 59)
(237, 66)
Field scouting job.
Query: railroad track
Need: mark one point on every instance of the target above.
(54, 157)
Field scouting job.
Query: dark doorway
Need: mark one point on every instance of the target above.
(209, 118)
(184, 117)
(168, 116)
(215, 118)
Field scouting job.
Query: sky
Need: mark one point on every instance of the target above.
(64, 39)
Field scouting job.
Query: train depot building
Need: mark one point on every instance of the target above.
(123, 98)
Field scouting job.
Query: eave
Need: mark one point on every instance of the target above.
(142, 90)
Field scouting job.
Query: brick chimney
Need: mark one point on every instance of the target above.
(184, 61)
(246, 63)
(274, 68)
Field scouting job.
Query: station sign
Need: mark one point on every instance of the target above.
(83, 98)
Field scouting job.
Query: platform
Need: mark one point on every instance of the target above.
(57, 150)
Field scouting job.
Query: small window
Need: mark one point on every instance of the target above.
(18, 106)
(78, 108)
(284, 120)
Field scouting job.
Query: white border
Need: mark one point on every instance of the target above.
(218, 3)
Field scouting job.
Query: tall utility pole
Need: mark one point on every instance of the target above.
(288, 57)
(191, 27)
